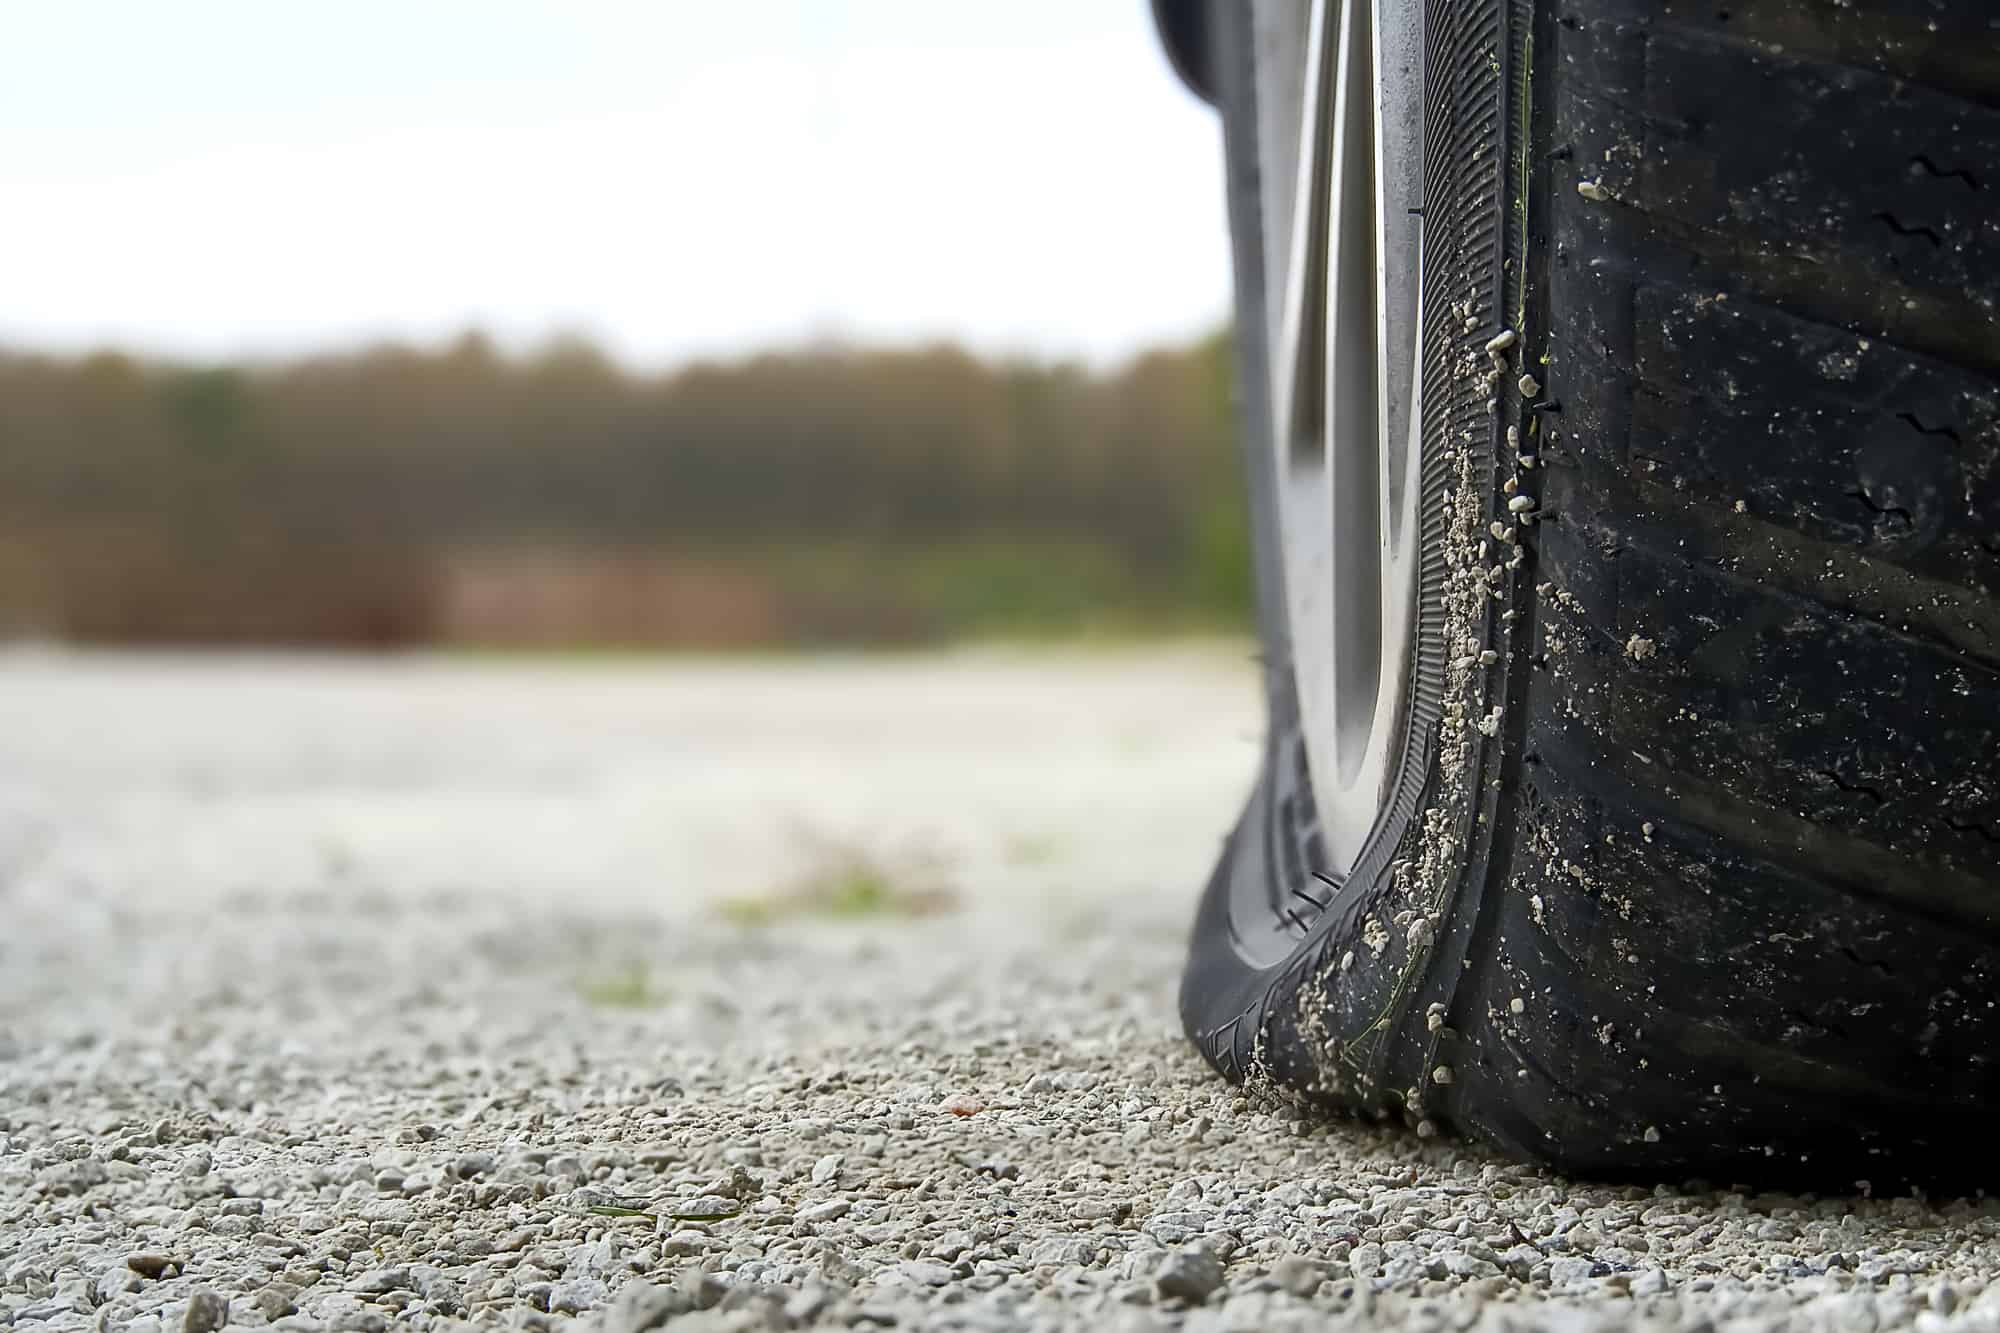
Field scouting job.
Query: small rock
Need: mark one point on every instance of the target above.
(1188, 1274)
(926, 1272)
(76, 1177)
(753, 1304)
(703, 1207)
(1178, 1228)
(1097, 1210)
(380, 1281)
(879, 1311)
(276, 1301)
(825, 1212)
(41, 1312)
(961, 1105)
(703, 1289)
(575, 1295)
(475, 1164)
(1298, 1275)
(950, 1245)
(1073, 1080)
(682, 1244)
(739, 1185)
(148, 1265)
(1062, 1250)
(1469, 1266)
(596, 1260)
(640, 1306)
(807, 1303)
(836, 1267)
(827, 1167)
(207, 1311)
(1574, 1268)
(1366, 1261)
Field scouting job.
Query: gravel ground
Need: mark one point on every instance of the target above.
(714, 995)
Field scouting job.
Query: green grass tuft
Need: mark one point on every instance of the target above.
(850, 884)
(630, 988)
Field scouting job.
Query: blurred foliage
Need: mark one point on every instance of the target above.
(850, 883)
(459, 496)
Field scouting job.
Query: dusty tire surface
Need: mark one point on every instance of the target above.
(1693, 866)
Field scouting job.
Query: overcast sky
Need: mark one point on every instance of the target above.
(214, 178)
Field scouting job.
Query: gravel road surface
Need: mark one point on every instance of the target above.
(717, 995)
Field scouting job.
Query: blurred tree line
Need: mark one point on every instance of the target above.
(459, 496)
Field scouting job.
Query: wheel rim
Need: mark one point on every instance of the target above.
(1345, 399)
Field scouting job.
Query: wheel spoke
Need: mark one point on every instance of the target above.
(1302, 332)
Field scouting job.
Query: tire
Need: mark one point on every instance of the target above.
(1688, 860)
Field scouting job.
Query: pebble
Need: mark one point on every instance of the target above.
(1062, 1251)
(149, 1265)
(377, 1281)
(1189, 1274)
(1571, 1270)
(951, 1244)
(681, 1244)
(703, 1289)
(926, 1272)
(206, 1312)
(1298, 1275)
(641, 1305)
(474, 1164)
(1366, 1260)
(276, 1301)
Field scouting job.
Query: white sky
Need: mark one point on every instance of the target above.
(214, 178)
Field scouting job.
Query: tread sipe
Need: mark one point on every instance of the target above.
(1698, 872)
